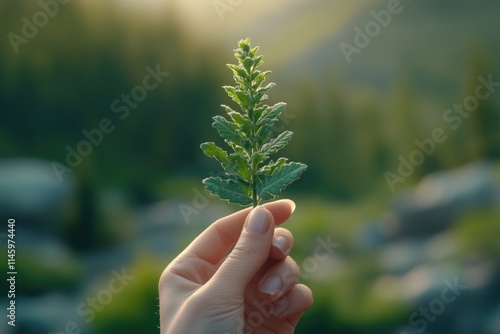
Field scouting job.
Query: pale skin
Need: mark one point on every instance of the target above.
(253, 289)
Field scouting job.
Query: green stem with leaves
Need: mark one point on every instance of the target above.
(249, 133)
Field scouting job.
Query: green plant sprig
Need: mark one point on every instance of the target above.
(249, 134)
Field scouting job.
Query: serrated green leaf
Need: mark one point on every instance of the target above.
(277, 143)
(245, 101)
(227, 130)
(253, 52)
(271, 167)
(272, 185)
(238, 149)
(229, 190)
(238, 96)
(257, 61)
(240, 81)
(266, 88)
(258, 112)
(259, 78)
(244, 45)
(262, 135)
(238, 71)
(271, 114)
(213, 151)
(231, 92)
(248, 64)
(241, 120)
(260, 95)
(240, 166)
(228, 109)
(257, 159)
(238, 118)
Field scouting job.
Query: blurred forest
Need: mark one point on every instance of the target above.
(352, 122)
(65, 80)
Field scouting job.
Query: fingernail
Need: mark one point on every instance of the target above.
(259, 221)
(282, 244)
(280, 306)
(271, 285)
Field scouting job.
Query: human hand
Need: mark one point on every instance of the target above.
(252, 290)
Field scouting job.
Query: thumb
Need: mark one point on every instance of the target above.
(248, 255)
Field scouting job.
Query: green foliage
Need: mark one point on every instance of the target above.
(42, 274)
(135, 308)
(477, 232)
(249, 134)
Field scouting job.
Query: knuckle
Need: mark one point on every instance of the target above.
(290, 272)
(223, 235)
(166, 276)
(242, 250)
(292, 265)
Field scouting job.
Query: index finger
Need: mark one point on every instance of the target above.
(213, 244)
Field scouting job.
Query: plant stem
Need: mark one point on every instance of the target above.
(253, 171)
(251, 114)
(254, 194)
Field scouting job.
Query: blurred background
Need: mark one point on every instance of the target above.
(104, 104)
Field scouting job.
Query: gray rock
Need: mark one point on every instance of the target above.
(31, 191)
